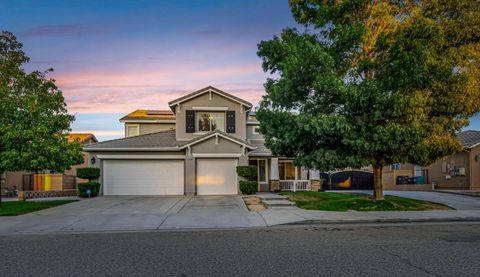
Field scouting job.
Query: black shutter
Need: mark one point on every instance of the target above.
(230, 121)
(190, 121)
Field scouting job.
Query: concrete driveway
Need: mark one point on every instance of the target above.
(127, 213)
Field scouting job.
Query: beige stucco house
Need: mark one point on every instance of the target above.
(193, 148)
(461, 170)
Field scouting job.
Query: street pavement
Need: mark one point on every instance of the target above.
(355, 250)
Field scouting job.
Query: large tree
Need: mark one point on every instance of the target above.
(372, 82)
(33, 116)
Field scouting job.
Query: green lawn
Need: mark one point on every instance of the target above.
(335, 201)
(12, 208)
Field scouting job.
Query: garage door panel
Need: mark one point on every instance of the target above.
(216, 177)
(143, 177)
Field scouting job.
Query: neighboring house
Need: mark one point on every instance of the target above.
(22, 180)
(461, 170)
(70, 180)
(405, 172)
(193, 148)
(458, 171)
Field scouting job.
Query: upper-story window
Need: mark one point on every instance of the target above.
(210, 121)
(133, 130)
(256, 130)
(395, 166)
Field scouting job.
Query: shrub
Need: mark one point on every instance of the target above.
(248, 172)
(94, 188)
(248, 187)
(89, 173)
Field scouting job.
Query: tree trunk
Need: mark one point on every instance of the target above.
(377, 182)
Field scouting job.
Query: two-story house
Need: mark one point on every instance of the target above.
(193, 148)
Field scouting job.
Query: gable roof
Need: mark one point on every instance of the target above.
(205, 90)
(220, 134)
(469, 138)
(160, 141)
(81, 137)
(149, 115)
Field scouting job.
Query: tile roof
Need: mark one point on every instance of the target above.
(81, 137)
(157, 141)
(260, 150)
(150, 115)
(469, 138)
(165, 139)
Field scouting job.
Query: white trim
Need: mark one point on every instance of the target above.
(216, 155)
(475, 145)
(210, 108)
(132, 125)
(208, 90)
(141, 157)
(219, 134)
(253, 123)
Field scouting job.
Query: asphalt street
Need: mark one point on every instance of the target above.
(379, 250)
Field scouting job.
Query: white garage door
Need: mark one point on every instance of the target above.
(143, 177)
(216, 177)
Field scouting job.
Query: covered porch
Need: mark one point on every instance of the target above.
(280, 174)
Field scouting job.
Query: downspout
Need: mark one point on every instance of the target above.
(470, 172)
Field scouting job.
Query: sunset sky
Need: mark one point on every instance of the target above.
(112, 57)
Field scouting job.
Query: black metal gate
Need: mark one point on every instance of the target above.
(345, 180)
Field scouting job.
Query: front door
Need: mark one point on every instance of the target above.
(261, 165)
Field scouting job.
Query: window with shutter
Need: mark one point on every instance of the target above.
(230, 121)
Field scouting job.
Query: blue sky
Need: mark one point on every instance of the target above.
(112, 56)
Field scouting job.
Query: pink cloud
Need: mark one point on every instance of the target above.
(152, 87)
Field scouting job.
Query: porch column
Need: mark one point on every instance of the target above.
(274, 183)
(303, 173)
(315, 182)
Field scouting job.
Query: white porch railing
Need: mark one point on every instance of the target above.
(294, 185)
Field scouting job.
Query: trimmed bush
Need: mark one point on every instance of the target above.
(248, 187)
(89, 173)
(94, 188)
(248, 172)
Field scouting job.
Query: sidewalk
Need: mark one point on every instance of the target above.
(470, 193)
(294, 215)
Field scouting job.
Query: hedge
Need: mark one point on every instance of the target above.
(94, 188)
(248, 187)
(89, 173)
(248, 172)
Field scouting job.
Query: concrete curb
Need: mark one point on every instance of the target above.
(383, 220)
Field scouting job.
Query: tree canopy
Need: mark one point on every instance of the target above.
(371, 82)
(33, 116)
